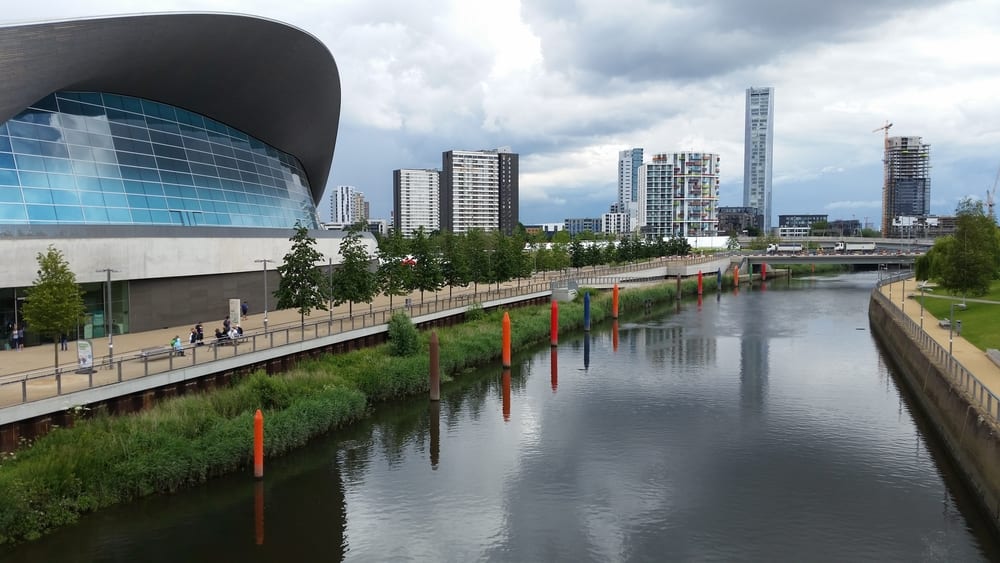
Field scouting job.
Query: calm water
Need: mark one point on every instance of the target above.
(761, 426)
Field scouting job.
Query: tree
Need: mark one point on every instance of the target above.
(969, 261)
(561, 237)
(393, 275)
(733, 243)
(353, 281)
(455, 268)
(303, 285)
(478, 256)
(678, 246)
(427, 275)
(54, 303)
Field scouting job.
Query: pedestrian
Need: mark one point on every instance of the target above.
(201, 333)
(14, 342)
(63, 342)
(20, 338)
(193, 339)
(244, 308)
(226, 324)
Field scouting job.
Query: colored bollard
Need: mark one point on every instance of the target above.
(736, 276)
(505, 340)
(614, 335)
(718, 279)
(699, 283)
(554, 323)
(614, 302)
(258, 512)
(586, 310)
(763, 272)
(258, 445)
(554, 369)
(586, 350)
(506, 395)
(435, 374)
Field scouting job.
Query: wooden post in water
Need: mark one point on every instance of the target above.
(435, 368)
(505, 341)
(614, 302)
(678, 287)
(258, 445)
(554, 322)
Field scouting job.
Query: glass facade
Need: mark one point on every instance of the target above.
(98, 158)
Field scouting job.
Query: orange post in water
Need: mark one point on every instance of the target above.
(505, 340)
(555, 323)
(506, 395)
(699, 282)
(763, 272)
(614, 335)
(736, 276)
(258, 445)
(614, 302)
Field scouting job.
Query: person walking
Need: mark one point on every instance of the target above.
(244, 308)
(14, 342)
(63, 342)
(20, 338)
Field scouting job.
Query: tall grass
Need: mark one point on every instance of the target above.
(105, 460)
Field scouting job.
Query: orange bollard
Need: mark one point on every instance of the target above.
(614, 302)
(505, 340)
(736, 276)
(258, 445)
(506, 395)
(435, 375)
(699, 282)
(614, 335)
(763, 272)
(554, 321)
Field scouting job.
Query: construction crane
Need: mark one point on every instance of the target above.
(886, 207)
(989, 196)
(886, 128)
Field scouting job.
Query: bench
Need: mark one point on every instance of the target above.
(151, 353)
(230, 341)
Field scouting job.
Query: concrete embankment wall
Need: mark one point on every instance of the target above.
(972, 441)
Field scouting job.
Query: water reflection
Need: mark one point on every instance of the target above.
(554, 367)
(434, 414)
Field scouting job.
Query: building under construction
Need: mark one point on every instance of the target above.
(907, 188)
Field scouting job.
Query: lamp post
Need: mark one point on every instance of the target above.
(921, 307)
(111, 324)
(264, 261)
(16, 299)
(331, 289)
(951, 323)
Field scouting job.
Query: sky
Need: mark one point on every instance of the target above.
(567, 84)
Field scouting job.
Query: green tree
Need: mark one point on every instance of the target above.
(54, 303)
(303, 285)
(455, 267)
(479, 257)
(969, 261)
(561, 237)
(678, 246)
(393, 275)
(427, 275)
(733, 243)
(353, 281)
(577, 256)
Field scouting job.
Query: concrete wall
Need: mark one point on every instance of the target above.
(972, 441)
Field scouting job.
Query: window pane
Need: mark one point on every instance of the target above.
(68, 214)
(41, 213)
(95, 214)
(13, 212)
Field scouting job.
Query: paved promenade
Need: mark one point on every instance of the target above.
(975, 360)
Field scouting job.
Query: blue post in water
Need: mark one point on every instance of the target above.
(586, 310)
(718, 279)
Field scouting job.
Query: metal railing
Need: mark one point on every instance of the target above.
(961, 379)
(35, 385)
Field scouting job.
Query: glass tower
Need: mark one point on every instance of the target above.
(757, 151)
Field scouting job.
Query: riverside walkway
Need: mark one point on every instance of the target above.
(970, 369)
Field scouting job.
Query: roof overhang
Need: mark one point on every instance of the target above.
(271, 80)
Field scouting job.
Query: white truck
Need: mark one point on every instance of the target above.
(854, 246)
(784, 247)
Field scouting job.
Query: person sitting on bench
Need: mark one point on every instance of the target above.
(221, 337)
(176, 345)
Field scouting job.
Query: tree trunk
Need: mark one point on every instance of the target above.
(57, 354)
(302, 323)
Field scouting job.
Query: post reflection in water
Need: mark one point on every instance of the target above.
(699, 302)
(614, 335)
(506, 395)
(434, 410)
(586, 350)
(554, 367)
(258, 511)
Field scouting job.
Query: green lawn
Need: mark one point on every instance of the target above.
(980, 321)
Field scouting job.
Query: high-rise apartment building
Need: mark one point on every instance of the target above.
(907, 189)
(679, 195)
(479, 190)
(416, 200)
(347, 206)
(629, 162)
(758, 150)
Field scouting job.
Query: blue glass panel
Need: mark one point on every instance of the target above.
(10, 195)
(47, 103)
(159, 217)
(58, 165)
(53, 149)
(34, 179)
(119, 215)
(25, 146)
(5, 144)
(192, 204)
(204, 170)
(84, 168)
(133, 187)
(154, 202)
(41, 213)
(62, 181)
(12, 212)
(29, 162)
(137, 201)
(108, 171)
(152, 189)
(65, 197)
(6, 160)
(95, 214)
(175, 203)
(88, 183)
(115, 200)
(90, 98)
(112, 185)
(141, 216)
(131, 104)
(68, 214)
(194, 134)
(95, 199)
(35, 195)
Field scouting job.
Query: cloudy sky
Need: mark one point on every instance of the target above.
(569, 83)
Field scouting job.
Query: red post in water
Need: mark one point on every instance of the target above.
(614, 335)
(614, 302)
(763, 272)
(258, 512)
(554, 368)
(554, 322)
(699, 282)
(736, 276)
(506, 395)
(435, 375)
(505, 340)
(258, 445)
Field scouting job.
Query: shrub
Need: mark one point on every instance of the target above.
(475, 312)
(404, 340)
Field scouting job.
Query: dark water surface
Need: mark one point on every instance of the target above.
(762, 426)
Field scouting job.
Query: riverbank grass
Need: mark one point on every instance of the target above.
(980, 321)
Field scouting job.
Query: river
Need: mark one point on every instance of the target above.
(759, 425)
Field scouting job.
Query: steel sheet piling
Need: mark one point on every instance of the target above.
(435, 375)
(258, 445)
(505, 340)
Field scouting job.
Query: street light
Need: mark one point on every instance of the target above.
(951, 323)
(111, 324)
(264, 261)
(331, 289)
